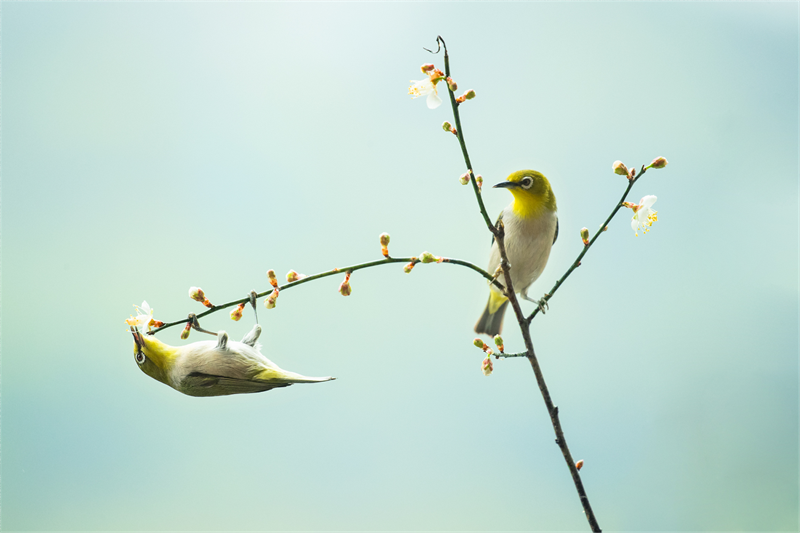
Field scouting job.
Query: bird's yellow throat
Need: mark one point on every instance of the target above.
(531, 203)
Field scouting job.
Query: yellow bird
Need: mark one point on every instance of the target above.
(213, 368)
(531, 229)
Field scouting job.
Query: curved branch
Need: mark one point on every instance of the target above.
(577, 261)
(352, 268)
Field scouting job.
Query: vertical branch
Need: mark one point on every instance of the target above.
(524, 323)
(462, 142)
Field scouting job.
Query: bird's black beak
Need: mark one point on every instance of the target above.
(505, 185)
(137, 338)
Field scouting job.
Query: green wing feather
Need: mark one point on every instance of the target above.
(200, 384)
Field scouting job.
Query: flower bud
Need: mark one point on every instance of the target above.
(486, 366)
(464, 178)
(579, 464)
(155, 323)
(479, 343)
(294, 276)
(479, 181)
(427, 68)
(186, 330)
(196, 293)
(620, 168)
(469, 95)
(585, 236)
(344, 288)
(236, 314)
(446, 126)
(659, 162)
(269, 303)
(384, 237)
(498, 341)
(427, 257)
(273, 279)
(452, 84)
(605, 228)
(408, 267)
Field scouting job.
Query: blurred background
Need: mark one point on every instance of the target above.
(150, 147)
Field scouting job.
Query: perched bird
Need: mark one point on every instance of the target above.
(531, 229)
(213, 368)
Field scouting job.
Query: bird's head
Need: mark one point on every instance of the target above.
(532, 193)
(153, 356)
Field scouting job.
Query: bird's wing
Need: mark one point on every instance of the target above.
(200, 384)
(556, 235)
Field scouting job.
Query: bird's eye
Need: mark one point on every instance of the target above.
(140, 358)
(526, 183)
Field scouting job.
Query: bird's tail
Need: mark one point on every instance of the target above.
(491, 321)
(278, 375)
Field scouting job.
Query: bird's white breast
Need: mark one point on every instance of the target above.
(528, 243)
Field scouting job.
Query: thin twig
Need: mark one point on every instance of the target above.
(463, 143)
(524, 324)
(353, 268)
(577, 261)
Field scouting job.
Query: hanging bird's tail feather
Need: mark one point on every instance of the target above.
(491, 321)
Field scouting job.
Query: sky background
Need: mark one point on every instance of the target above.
(150, 147)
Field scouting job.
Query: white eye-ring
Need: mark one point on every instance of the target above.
(140, 358)
(526, 183)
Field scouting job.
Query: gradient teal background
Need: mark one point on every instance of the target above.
(151, 147)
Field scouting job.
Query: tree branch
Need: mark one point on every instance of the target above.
(577, 261)
(463, 143)
(352, 268)
(524, 324)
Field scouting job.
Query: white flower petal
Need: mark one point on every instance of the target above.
(634, 223)
(433, 100)
(420, 88)
(648, 201)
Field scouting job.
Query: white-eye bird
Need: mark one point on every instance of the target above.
(531, 229)
(213, 368)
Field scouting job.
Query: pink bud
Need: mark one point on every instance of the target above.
(186, 330)
(426, 68)
(196, 293)
(487, 367)
(452, 84)
(407, 268)
(585, 236)
(479, 343)
(659, 162)
(269, 303)
(236, 314)
(619, 168)
(294, 276)
(344, 288)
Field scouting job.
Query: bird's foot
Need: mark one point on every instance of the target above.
(541, 302)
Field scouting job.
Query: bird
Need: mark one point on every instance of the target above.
(531, 229)
(209, 368)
